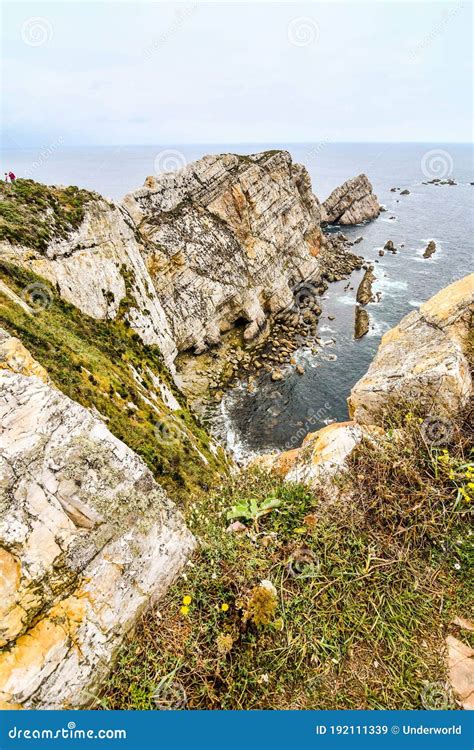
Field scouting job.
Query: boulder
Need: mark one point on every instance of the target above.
(88, 540)
(352, 203)
(321, 456)
(364, 292)
(430, 249)
(424, 358)
(361, 323)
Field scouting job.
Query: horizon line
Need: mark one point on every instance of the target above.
(321, 142)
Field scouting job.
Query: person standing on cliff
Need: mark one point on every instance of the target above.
(12, 176)
(6, 176)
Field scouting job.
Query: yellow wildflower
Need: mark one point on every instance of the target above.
(224, 607)
(187, 600)
(184, 610)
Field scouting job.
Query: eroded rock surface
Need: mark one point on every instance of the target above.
(226, 239)
(352, 203)
(87, 540)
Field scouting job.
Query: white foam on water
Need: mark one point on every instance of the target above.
(346, 300)
(389, 286)
(378, 328)
(415, 303)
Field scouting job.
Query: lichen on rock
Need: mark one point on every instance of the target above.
(87, 540)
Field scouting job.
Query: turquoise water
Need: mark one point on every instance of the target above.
(280, 414)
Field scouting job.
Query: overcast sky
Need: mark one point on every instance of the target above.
(151, 72)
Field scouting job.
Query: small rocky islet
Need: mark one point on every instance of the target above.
(110, 313)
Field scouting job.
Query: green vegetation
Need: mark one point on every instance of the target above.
(104, 364)
(32, 214)
(329, 600)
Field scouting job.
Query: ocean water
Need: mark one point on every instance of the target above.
(280, 414)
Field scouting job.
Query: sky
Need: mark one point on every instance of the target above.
(191, 72)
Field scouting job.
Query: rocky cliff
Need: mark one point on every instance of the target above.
(427, 360)
(226, 239)
(87, 540)
(222, 241)
(352, 203)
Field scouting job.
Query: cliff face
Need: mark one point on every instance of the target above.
(87, 540)
(99, 268)
(221, 241)
(226, 239)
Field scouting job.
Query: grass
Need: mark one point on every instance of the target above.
(367, 582)
(32, 214)
(104, 365)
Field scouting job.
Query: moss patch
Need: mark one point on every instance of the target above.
(32, 214)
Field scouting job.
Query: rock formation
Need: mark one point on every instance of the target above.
(226, 239)
(87, 540)
(352, 203)
(390, 246)
(364, 292)
(222, 242)
(423, 358)
(430, 249)
(361, 323)
(321, 455)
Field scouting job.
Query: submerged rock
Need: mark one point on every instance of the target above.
(352, 203)
(430, 249)
(361, 325)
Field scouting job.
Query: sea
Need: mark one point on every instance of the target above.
(279, 414)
